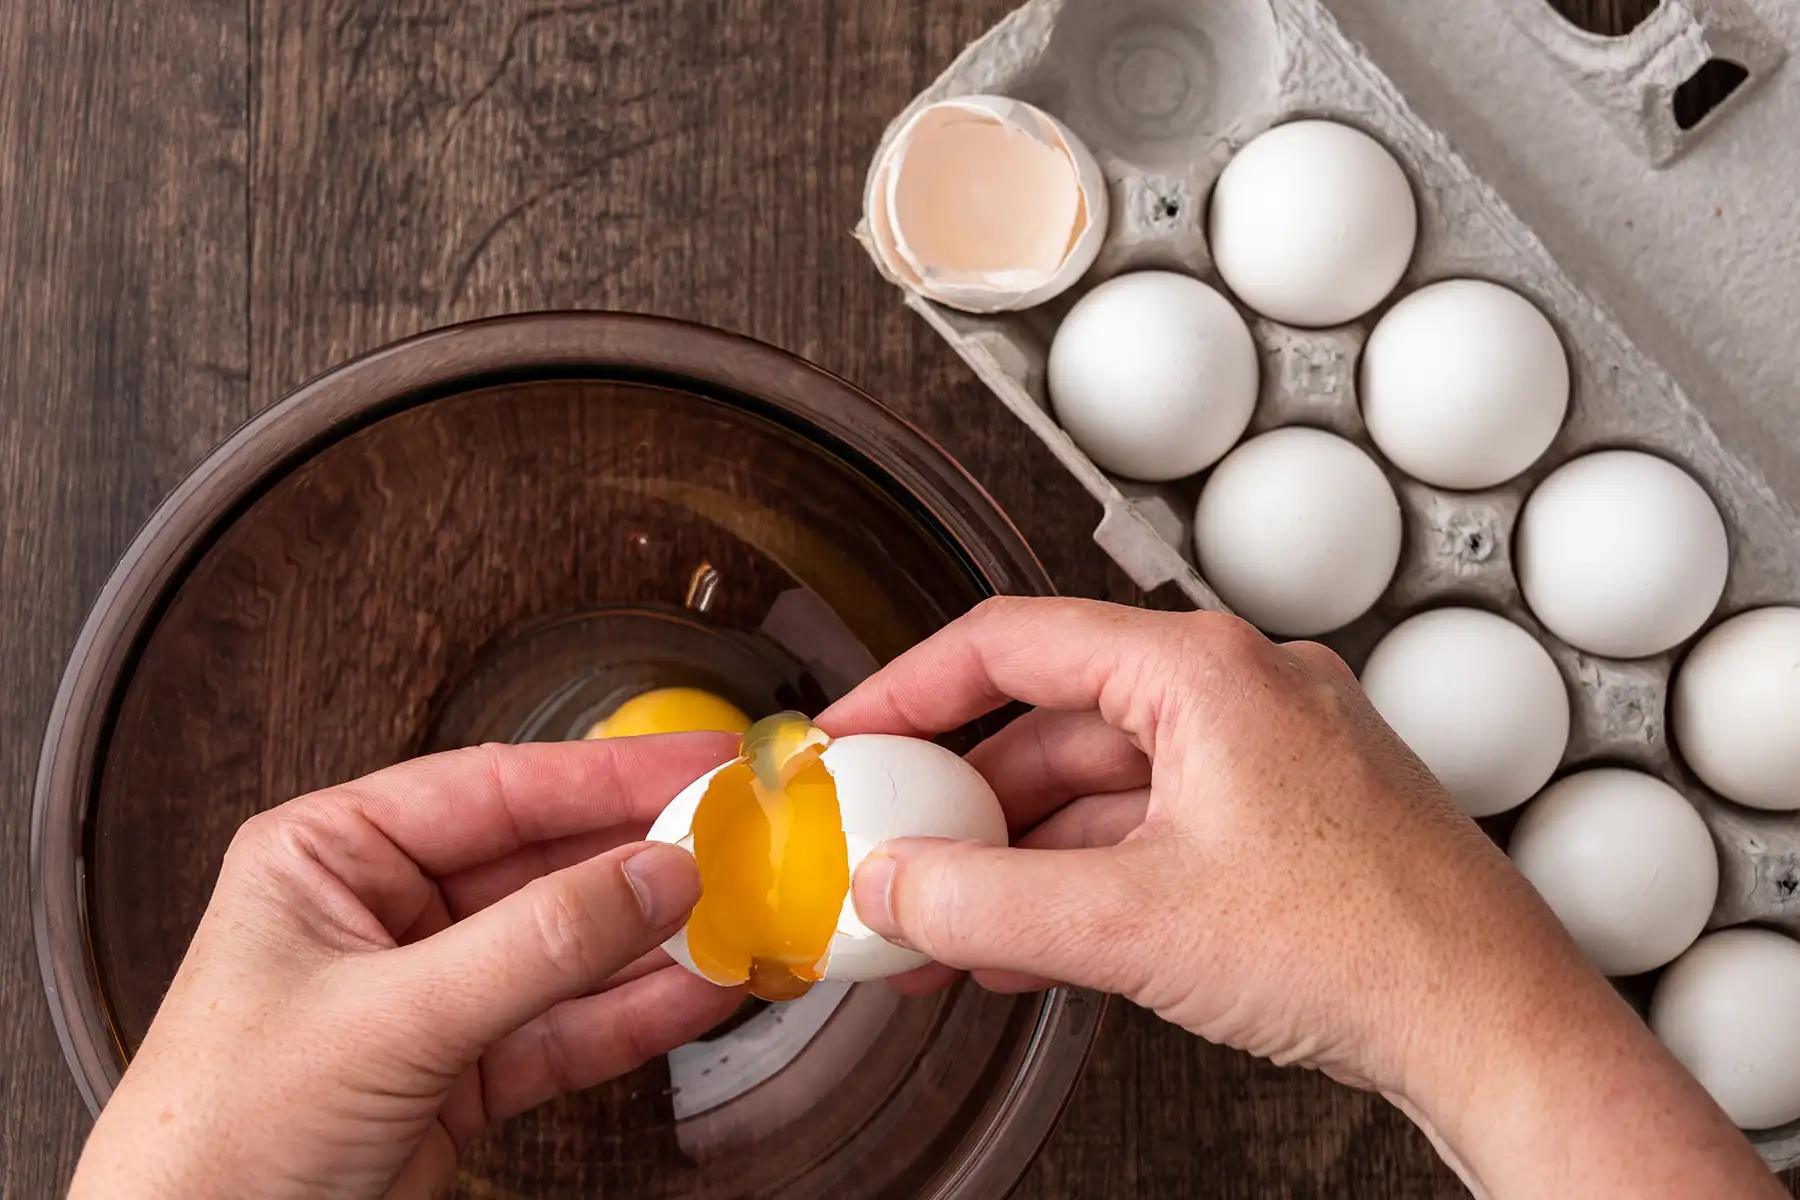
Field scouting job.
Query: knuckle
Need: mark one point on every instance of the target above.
(1212, 662)
(254, 834)
(557, 1052)
(636, 1043)
(284, 831)
(1084, 822)
(484, 761)
(1321, 658)
(1232, 637)
(1207, 644)
(571, 938)
(932, 907)
(999, 610)
(1113, 920)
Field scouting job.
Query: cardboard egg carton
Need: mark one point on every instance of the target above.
(1567, 166)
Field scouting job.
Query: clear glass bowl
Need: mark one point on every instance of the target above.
(496, 531)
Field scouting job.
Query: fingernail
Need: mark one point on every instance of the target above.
(665, 881)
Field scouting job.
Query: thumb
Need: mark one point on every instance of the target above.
(554, 939)
(1081, 916)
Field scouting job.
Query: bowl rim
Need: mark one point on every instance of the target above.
(416, 370)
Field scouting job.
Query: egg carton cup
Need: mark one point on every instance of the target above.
(1559, 163)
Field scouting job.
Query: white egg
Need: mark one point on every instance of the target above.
(887, 787)
(1621, 554)
(1477, 699)
(1729, 1010)
(1313, 223)
(1735, 709)
(1298, 531)
(1154, 375)
(1464, 384)
(986, 204)
(1626, 863)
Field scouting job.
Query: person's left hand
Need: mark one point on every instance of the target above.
(389, 968)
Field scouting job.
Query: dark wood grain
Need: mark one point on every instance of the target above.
(203, 202)
(123, 358)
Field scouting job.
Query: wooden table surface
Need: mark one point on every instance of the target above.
(204, 202)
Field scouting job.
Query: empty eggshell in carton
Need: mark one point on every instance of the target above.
(1689, 355)
(986, 204)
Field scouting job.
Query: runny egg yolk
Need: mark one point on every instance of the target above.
(671, 710)
(774, 870)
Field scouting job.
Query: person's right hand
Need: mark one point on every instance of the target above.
(1224, 831)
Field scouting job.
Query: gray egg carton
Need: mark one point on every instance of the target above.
(1544, 158)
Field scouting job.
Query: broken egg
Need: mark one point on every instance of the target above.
(777, 833)
(985, 204)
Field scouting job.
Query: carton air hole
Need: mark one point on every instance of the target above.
(1705, 90)
(1608, 19)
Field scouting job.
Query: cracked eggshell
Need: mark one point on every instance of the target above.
(887, 787)
(985, 204)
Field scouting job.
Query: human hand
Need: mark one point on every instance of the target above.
(1224, 831)
(390, 967)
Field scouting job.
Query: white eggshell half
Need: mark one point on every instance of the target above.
(888, 787)
(940, 205)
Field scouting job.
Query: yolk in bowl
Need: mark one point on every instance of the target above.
(671, 710)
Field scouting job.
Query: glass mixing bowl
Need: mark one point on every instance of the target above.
(497, 532)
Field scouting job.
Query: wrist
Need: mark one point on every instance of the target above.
(122, 1169)
(1555, 1087)
(157, 1140)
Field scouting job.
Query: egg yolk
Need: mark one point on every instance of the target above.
(671, 710)
(774, 869)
